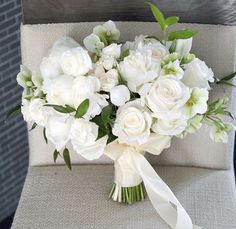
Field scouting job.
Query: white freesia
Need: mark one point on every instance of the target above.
(119, 95)
(25, 110)
(23, 78)
(172, 69)
(83, 135)
(107, 79)
(139, 68)
(133, 123)
(87, 87)
(58, 130)
(183, 46)
(76, 62)
(93, 43)
(169, 127)
(59, 91)
(108, 29)
(197, 74)
(38, 112)
(197, 103)
(167, 97)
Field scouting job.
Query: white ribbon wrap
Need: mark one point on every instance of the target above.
(131, 167)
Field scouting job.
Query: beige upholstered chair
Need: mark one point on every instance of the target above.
(198, 171)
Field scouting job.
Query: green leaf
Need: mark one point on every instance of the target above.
(66, 156)
(44, 135)
(173, 46)
(82, 109)
(59, 108)
(226, 83)
(33, 126)
(13, 111)
(111, 138)
(69, 108)
(55, 155)
(158, 16)
(106, 114)
(102, 131)
(181, 34)
(171, 20)
(124, 54)
(226, 78)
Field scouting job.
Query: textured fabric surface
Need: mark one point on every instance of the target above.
(54, 197)
(214, 44)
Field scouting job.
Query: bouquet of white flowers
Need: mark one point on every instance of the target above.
(123, 100)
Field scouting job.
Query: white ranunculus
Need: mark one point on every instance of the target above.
(139, 68)
(197, 103)
(197, 74)
(38, 112)
(119, 95)
(108, 29)
(172, 69)
(167, 97)
(59, 91)
(76, 62)
(183, 46)
(169, 127)
(132, 124)
(87, 87)
(83, 135)
(107, 79)
(23, 78)
(93, 43)
(25, 110)
(58, 130)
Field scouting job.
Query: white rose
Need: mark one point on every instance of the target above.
(59, 91)
(169, 127)
(38, 112)
(139, 68)
(58, 129)
(119, 95)
(93, 43)
(83, 135)
(108, 29)
(197, 103)
(172, 69)
(133, 123)
(167, 97)
(76, 62)
(25, 110)
(87, 87)
(107, 79)
(197, 74)
(183, 46)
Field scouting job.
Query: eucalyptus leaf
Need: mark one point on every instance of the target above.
(82, 109)
(44, 135)
(66, 156)
(171, 20)
(158, 16)
(181, 34)
(55, 155)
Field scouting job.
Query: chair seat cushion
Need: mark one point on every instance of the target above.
(54, 197)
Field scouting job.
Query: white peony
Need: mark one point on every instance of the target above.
(59, 91)
(139, 68)
(172, 69)
(197, 74)
(133, 123)
(83, 135)
(119, 95)
(183, 46)
(93, 43)
(38, 112)
(197, 103)
(76, 62)
(169, 127)
(107, 79)
(87, 87)
(108, 29)
(58, 129)
(167, 97)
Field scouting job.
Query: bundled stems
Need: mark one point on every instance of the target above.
(127, 195)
